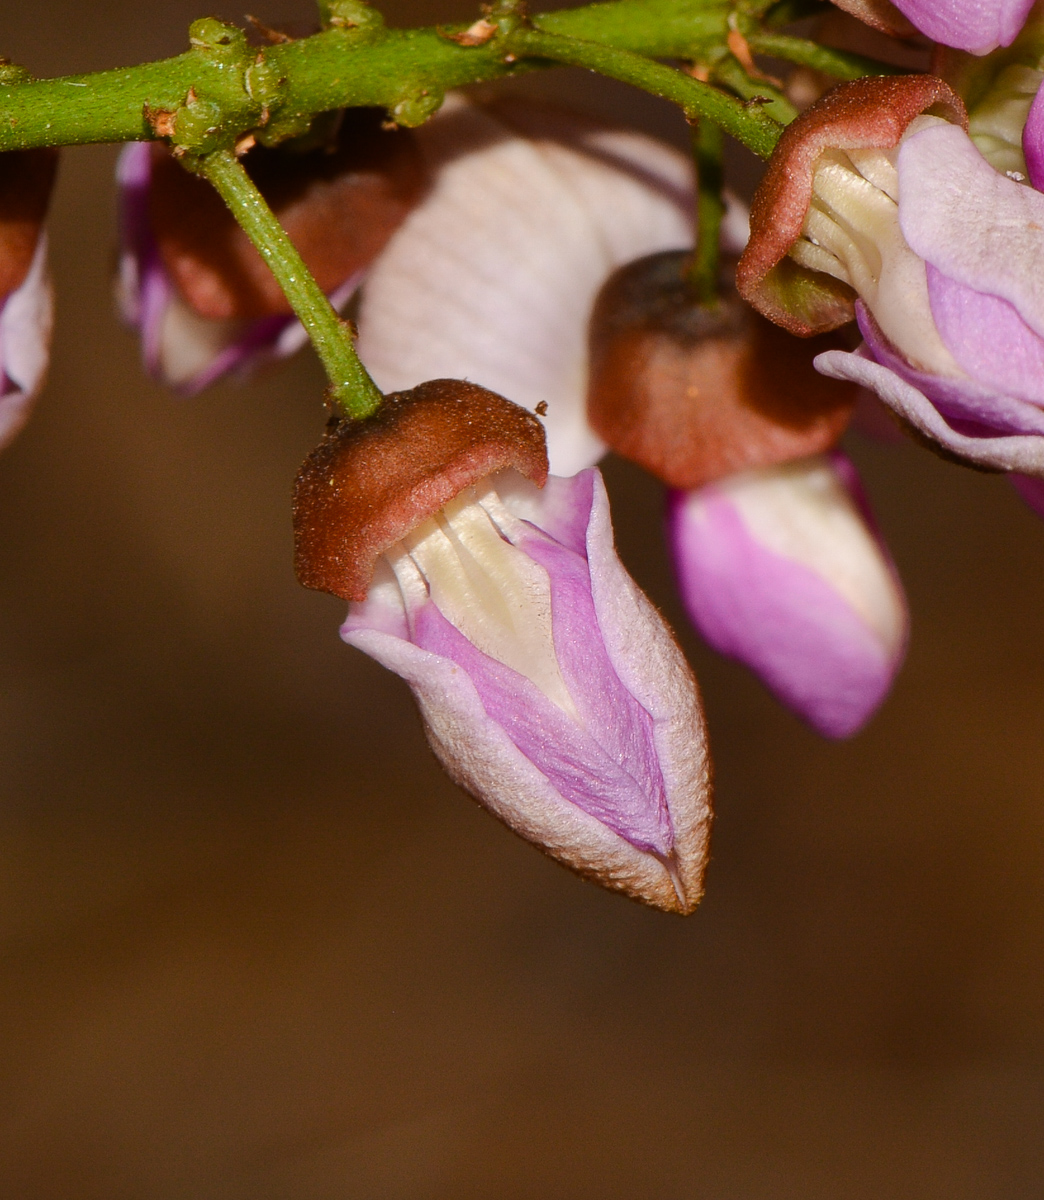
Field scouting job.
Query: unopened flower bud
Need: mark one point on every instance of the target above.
(549, 687)
(693, 393)
(194, 283)
(782, 569)
(26, 180)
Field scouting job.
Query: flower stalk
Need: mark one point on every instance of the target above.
(351, 388)
(707, 147)
(748, 123)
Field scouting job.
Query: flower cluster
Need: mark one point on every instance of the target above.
(525, 293)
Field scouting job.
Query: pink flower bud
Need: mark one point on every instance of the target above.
(977, 26)
(549, 687)
(782, 569)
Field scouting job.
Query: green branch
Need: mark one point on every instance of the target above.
(839, 64)
(351, 387)
(284, 86)
(746, 122)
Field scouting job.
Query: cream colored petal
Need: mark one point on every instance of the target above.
(803, 511)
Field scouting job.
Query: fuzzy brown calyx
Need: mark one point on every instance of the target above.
(26, 180)
(866, 113)
(339, 203)
(694, 394)
(368, 483)
(880, 15)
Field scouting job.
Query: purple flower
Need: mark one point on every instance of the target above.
(978, 26)
(549, 686)
(890, 213)
(959, 353)
(180, 347)
(782, 569)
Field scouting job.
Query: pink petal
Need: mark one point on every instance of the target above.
(973, 224)
(978, 26)
(987, 448)
(987, 337)
(785, 615)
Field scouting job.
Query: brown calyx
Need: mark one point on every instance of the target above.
(694, 394)
(26, 179)
(339, 203)
(878, 14)
(863, 114)
(368, 483)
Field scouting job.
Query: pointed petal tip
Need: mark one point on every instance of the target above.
(479, 743)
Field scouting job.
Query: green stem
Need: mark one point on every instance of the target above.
(338, 68)
(730, 72)
(351, 387)
(839, 64)
(707, 146)
(747, 123)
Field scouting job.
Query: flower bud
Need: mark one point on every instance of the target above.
(549, 687)
(194, 283)
(901, 221)
(782, 569)
(26, 180)
(693, 394)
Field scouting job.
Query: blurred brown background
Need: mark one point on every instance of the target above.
(254, 946)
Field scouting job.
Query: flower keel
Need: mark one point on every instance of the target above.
(577, 721)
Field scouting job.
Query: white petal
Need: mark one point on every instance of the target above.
(492, 278)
